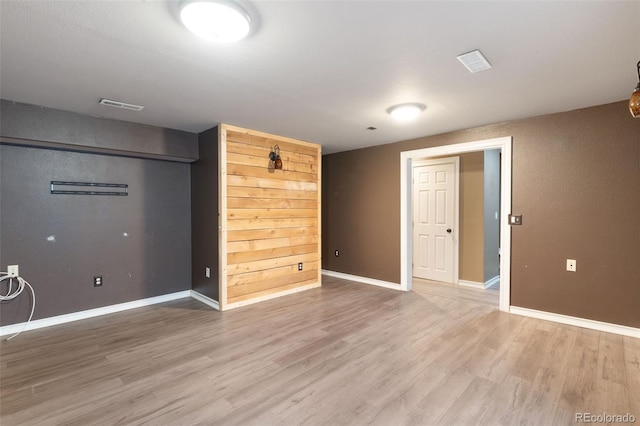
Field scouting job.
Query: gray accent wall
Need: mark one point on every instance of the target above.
(204, 215)
(31, 125)
(491, 209)
(140, 243)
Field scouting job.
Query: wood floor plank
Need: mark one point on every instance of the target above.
(542, 401)
(632, 365)
(509, 400)
(470, 406)
(342, 354)
(438, 401)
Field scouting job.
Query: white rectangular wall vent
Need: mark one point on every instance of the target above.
(474, 61)
(116, 104)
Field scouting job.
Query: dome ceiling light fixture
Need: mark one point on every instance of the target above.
(215, 20)
(634, 101)
(406, 112)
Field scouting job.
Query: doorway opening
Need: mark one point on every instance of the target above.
(407, 159)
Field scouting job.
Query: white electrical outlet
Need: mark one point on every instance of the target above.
(12, 270)
(207, 272)
(571, 265)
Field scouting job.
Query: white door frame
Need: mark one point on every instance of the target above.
(455, 160)
(406, 230)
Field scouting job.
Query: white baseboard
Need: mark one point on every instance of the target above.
(365, 280)
(270, 296)
(482, 286)
(472, 284)
(578, 322)
(493, 281)
(75, 316)
(206, 300)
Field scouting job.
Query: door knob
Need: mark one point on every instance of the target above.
(449, 230)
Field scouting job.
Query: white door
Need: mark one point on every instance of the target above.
(435, 219)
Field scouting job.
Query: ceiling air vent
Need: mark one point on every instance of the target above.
(122, 105)
(474, 61)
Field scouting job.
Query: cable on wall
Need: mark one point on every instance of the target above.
(13, 293)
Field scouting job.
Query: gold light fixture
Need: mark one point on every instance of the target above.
(634, 101)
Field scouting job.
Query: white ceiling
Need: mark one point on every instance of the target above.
(322, 71)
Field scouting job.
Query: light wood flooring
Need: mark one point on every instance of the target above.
(345, 353)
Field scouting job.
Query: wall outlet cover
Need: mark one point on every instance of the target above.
(13, 270)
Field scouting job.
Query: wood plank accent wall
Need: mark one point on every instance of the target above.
(270, 219)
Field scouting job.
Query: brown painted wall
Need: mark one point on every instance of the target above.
(204, 216)
(361, 212)
(472, 217)
(576, 181)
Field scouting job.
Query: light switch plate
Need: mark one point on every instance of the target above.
(515, 219)
(571, 265)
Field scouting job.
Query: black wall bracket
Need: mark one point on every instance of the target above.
(89, 188)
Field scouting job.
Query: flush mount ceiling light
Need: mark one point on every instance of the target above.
(634, 101)
(215, 20)
(474, 61)
(406, 112)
